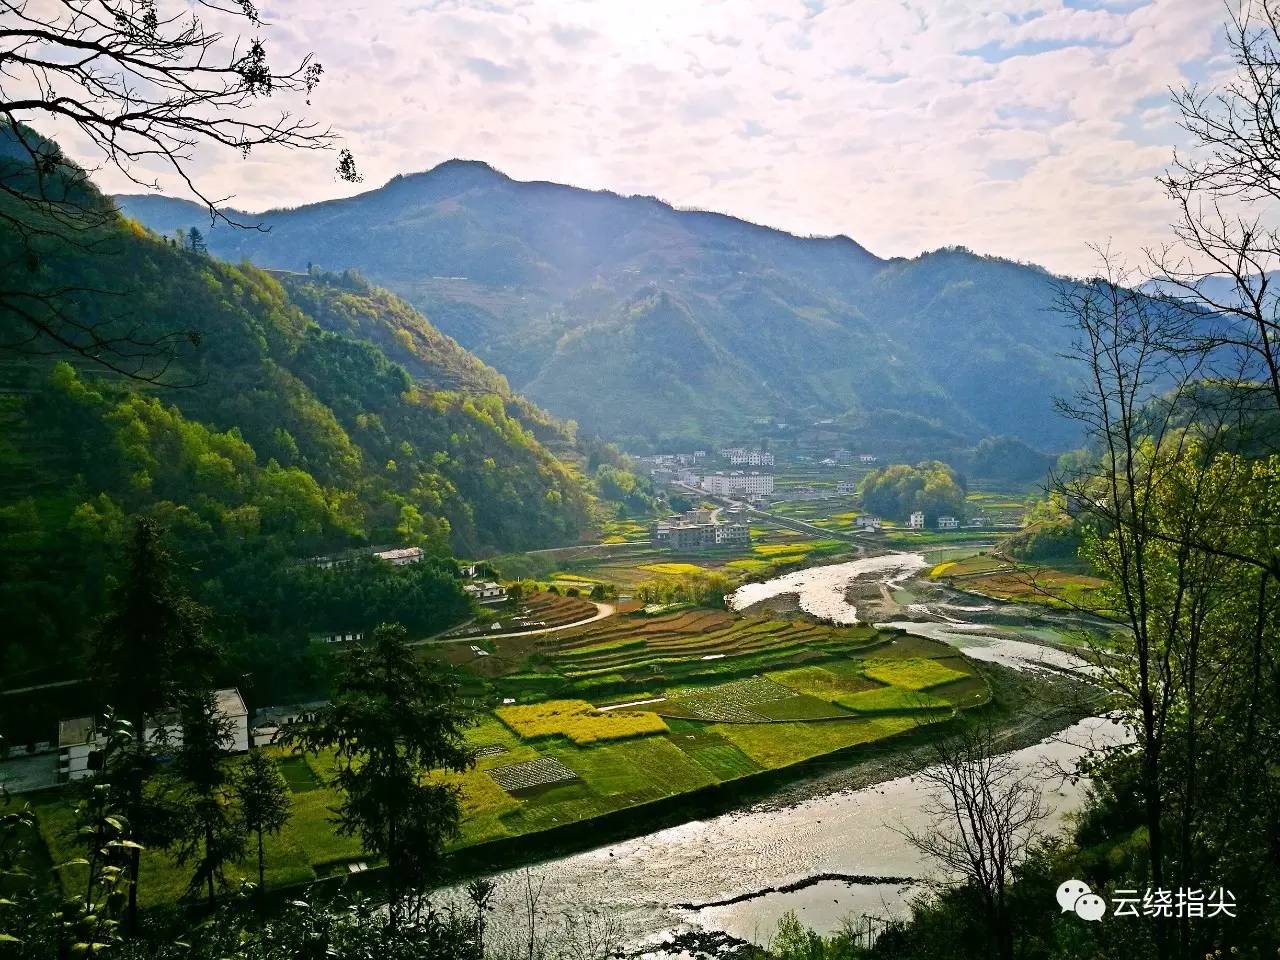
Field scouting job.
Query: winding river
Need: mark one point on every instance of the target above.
(765, 858)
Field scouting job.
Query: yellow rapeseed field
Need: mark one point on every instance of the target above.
(579, 721)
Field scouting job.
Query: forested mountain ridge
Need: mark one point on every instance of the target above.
(302, 415)
(684, 324)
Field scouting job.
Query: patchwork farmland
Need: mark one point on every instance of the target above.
(645, 707)
(616, 715)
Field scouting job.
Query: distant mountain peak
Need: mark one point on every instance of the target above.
(457, 170)
(457, 165)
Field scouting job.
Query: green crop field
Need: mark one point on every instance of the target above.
(705, 697)
(916, 673)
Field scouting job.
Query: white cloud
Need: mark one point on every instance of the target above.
(1025, 128)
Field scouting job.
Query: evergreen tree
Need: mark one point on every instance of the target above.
(394, 718)
(152, 640)
(210, 835)
(264, 801)
(147, 648)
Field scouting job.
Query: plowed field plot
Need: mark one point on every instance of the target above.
(543, 772)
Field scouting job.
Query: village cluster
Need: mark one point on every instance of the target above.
(713, 474)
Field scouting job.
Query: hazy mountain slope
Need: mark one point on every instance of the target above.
(562, 289)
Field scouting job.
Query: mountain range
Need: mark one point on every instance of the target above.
(654, 326)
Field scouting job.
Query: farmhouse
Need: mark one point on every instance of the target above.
(338, 636)
(867, 458)
(868, 523)
(396, 556)
(269, 721)
(847, 486)
(80, 744)
(400, 556)
(916, 521)
(485, 592)
(948, 523)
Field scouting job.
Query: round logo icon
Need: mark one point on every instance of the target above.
(1091, 907)
(1069, 891)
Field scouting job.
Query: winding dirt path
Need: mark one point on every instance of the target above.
(603, 610)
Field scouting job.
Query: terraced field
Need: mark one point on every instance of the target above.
(715, 639)
(994, 576)
(629, 561)
(535, 612)
(835, 513)
(674, 738)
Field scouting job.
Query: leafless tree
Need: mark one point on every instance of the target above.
(984, 814)
(1121, 345)
(1225, 253)
(146, 84)
(1169, 525)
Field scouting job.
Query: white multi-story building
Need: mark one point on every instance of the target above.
(916, 522)
(750, 458)
(847, 486)
(734, 484)
(948, 523)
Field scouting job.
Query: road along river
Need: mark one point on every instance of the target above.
(826, 856)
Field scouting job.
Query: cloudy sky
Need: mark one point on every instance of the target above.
(1025, 128)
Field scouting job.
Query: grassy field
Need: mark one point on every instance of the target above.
(994, 576)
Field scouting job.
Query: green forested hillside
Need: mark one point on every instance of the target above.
(686, 325)
(302, 415)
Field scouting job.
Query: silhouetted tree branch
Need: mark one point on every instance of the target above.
(145, 84)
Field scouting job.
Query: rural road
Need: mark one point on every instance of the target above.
(602, 610)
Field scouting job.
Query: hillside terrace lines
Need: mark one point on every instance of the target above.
(690, 636)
